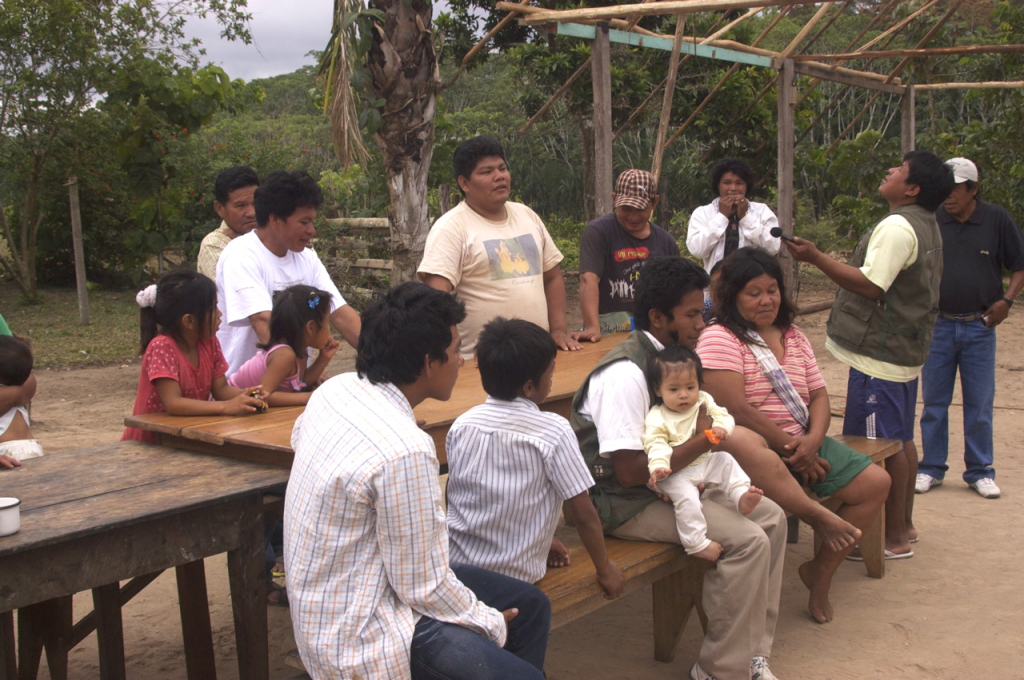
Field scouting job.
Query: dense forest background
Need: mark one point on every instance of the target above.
(146, 174)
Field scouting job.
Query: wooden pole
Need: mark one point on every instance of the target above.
(601, 73)
(666, 104)
(989, 85)
(908, 128)
(926, 52)
(76, 239)
(787, 118)
(680, 6)
(555, 97)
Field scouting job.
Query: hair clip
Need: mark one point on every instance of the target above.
(314, 300)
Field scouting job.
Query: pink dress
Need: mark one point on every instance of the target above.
(163, 359)
(251, 373)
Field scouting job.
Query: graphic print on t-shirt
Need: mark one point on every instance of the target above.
(621, 287)
(513, 257)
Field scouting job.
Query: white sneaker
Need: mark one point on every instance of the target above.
(925, 483)
(759, 669)
(697, 673)
(986, 488)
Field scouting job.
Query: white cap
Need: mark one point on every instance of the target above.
(963, 170)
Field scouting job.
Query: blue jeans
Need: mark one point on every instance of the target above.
(449, 651)
(971, 347)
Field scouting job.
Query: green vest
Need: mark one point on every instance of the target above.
(614, 503)
(898, 328)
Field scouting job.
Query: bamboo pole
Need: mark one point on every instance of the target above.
(926, 52)
(808, 27)
(490, 34)
(729, 26)
(898, 26)
(620, 24)
(666, 103)
(987, 85)
(677, 7)
(555, 97)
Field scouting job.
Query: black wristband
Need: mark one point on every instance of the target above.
(1008, 301)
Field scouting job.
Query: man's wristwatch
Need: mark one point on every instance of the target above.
(1008, 301)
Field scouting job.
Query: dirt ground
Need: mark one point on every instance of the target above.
(953, 611)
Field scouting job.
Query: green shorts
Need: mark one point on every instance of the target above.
(846, 465)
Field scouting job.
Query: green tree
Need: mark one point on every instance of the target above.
(57, 59)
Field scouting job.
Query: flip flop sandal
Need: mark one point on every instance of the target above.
(889, 555)
(282, 596)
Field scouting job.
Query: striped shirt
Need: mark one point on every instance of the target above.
(720, 350)
(510, 466)
(365, 538)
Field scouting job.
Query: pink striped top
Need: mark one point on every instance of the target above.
(719, 349)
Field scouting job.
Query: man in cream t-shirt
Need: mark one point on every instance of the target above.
(882, 321)
(496, 255)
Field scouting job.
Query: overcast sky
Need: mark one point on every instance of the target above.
(283, 33)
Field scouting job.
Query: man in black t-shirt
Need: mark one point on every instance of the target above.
(612, 250)
(979, 240)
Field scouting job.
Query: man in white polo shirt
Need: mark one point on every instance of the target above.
(272, 257)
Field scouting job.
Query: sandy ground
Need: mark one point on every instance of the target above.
(953, 611)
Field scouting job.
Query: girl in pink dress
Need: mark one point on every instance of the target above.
(182, 365)
(298, 321)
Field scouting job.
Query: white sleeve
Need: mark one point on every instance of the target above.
(245, 290)
(617, 403)
(319, 278)
(756, 227)
(706, 229)
(719, 415)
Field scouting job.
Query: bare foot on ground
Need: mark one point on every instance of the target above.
(749, 500)
(818, 583)
(558, 556)
(710, 553)
(836, 532)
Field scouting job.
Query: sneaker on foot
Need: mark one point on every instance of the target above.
(986, 488)
(697, 673)
(925, 482)
(759, 669)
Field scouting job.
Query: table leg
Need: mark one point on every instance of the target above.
(195, 621)
(249, 592)
(8, 654)
(109, 631)
(45, 625)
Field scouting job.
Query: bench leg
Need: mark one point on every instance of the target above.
(872, 545)
(674, 598)
(109, 631)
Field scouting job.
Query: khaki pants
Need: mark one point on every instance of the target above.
(741, 593)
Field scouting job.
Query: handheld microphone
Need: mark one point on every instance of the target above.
(777, 233)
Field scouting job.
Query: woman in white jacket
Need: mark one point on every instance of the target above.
(731, 221)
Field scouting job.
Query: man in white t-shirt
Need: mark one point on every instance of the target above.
(882, 321)
(496, 255)
(272, 257)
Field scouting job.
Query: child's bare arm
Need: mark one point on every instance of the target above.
(316, 369)
(281, 363)
(12, 396)
(9, 462)
(174, 403)
(588, 524)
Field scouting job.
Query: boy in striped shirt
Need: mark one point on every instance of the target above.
(511, 466)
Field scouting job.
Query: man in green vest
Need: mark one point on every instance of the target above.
(741, 592)
(882, 321)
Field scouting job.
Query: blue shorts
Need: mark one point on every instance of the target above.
(879, 409)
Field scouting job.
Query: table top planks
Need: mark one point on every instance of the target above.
(270, 432)
(70, 495)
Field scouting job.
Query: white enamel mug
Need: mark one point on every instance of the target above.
(10, 516)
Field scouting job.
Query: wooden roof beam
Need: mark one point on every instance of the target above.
(925, 52)
(668, 7)
(986, 85)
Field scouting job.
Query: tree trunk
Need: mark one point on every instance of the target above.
(587, 161)
(403, 64)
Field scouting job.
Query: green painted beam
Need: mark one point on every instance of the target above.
(707, 51)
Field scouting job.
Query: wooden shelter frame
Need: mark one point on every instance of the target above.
(604, 26)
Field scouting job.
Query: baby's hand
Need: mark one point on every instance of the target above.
(331, 348)
(9, 462)
(721, 433)
(656, 476)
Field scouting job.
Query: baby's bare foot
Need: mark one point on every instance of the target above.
(818, 584)
(749, 500)
(836, 532)
(711, 552)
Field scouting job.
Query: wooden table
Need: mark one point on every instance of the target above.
(266, 437)
(97, 516)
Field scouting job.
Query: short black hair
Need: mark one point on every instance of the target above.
(401, 328)
(933, 177)
(15, 361)
(666, 361)
(738, 270)
(663, 283)
(179, 292)
(283, 192)
(471, 151)
(736, 166)
(511, 353)
(230, 179)
(293, 308)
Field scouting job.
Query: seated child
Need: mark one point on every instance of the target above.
(183, 365)
(298, 321)
(16, 440)
(675, 376)
(511, 466)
